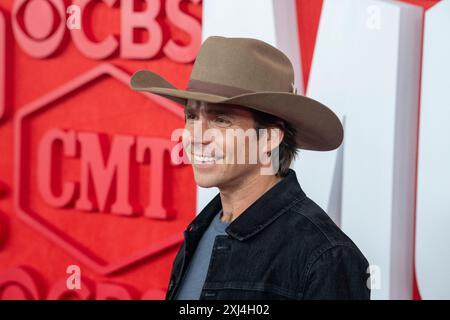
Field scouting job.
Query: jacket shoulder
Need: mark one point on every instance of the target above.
(312, 225)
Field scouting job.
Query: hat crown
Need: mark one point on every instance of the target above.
(243, 63)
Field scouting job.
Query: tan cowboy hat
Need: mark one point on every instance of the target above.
(251, 73)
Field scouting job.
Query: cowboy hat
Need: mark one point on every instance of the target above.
(250, 73)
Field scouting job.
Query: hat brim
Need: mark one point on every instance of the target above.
(318, 128)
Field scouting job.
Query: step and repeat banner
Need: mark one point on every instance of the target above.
(91, 205)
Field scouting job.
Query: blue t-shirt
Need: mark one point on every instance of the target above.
(194, 278)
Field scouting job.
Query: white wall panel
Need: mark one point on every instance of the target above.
(433, 201)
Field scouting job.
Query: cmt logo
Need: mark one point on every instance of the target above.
(100, 176)
(83, 164)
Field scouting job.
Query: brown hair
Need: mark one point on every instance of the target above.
(287, 150)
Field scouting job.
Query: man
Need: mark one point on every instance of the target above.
(261, 237)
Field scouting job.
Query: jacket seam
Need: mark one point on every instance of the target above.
(299, 211)
(261, 288)
(272, 219)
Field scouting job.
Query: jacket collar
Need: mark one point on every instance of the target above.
(266, 209)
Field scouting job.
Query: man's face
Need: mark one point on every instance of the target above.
(216, 146)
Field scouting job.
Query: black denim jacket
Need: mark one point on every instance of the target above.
(284, 246)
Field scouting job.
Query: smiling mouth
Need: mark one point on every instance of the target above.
(205, 159)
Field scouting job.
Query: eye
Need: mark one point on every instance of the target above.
(190, 116)
(222, 120)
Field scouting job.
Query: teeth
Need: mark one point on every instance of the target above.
(203, 159)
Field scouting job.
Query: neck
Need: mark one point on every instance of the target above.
(237, 198)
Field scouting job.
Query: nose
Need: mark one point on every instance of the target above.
(200, 127)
